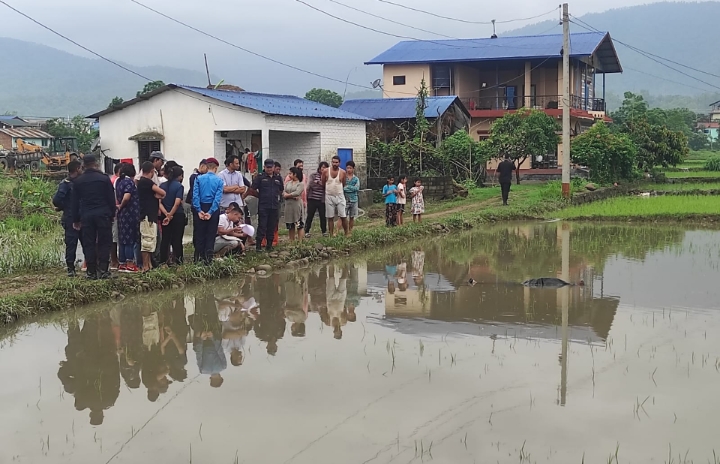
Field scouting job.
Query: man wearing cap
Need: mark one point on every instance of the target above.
(207, 195)
(157, 159)
(201, 169)
(269, 188)
(93, 212)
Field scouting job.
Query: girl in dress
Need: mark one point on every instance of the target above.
(418, 202)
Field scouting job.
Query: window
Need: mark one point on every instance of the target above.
(398, 80)
(145, 148)
(441, 77)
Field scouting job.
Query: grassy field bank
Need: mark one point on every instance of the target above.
(675, 208)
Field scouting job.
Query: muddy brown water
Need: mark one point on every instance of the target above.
(392, 359)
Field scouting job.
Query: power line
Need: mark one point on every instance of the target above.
(647, 55)
(651, 54)
(390, 20)
(664, 79)
(259, 55)
(465, 20)
(104, 58)
(486, 43)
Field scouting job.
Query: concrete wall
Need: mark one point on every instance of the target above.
(187, 121)
(334, 134)
(192, 124)
(414, 73)
(289, 146)
(436, 188)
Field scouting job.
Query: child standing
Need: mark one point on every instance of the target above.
(401, 198)
(389, 192)
(418, 202)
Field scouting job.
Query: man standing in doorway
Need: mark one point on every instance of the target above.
(93, 212)
(335, 205)
(233, 184)
(62, 202)
(269, 187)
(505, 171)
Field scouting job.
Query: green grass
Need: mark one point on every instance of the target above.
(683, 174)
(683, 187)
(700, 155)
(652, 208)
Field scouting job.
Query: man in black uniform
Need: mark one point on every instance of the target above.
(505, 171)
(62, 202)
(93, 212)
(269, 187)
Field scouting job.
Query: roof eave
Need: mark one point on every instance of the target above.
(143, 97)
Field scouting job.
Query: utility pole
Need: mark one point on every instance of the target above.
(566, 104)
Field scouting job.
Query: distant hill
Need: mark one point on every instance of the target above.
(682, 32)
(36, 80)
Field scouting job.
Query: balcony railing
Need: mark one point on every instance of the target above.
(539, 102)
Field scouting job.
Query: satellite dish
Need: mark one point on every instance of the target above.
(376, 83)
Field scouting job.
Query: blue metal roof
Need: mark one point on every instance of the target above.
(582, 44)
(281, 105)
(397, 108)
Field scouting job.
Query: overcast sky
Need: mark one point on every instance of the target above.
(285, 30)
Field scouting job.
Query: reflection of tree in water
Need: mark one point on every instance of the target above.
(270, 324)
(597, 243)
(91, 372)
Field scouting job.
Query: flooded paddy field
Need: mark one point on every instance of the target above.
(393, 359)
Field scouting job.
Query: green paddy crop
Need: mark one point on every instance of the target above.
(686, 174)
(647, 208)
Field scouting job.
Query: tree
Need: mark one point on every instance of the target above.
(116, 101)
(422, 126)
(522, 134)
(78, 127)
(610, 157)
(325, 97)
(149, 87)
(464, 157)
(632, 108)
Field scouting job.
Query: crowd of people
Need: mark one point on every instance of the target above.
(135, 221)
(150, 344)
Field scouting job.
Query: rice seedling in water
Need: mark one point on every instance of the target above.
(666, 207)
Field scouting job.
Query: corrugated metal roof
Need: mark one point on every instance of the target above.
(13, 121)
(397, 108)
(281, 105)
(582, 44)
(26, 133)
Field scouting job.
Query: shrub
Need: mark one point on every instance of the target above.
(610, 157)
(713, 163)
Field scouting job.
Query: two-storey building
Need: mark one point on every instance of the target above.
(495, 76)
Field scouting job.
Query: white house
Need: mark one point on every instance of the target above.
(191, 123)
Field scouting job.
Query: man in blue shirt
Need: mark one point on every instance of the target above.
(207, 194)
(269, 187)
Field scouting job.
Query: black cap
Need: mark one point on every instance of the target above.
(89, 160)
(157, 155)
(269, 162)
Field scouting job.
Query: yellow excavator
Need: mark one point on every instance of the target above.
(61, 151)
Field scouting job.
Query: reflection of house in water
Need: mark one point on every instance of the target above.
(493, 307)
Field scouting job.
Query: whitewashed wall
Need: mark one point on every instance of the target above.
(334, 134)
(286, 147)
(189, 124)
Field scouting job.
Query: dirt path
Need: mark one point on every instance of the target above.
(16, 285)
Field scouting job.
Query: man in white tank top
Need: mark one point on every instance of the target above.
(334, 180)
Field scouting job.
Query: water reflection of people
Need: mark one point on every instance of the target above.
(297, 303)
(131, 347)
(336, 291)
(155, 369)
(207, 340)
(418, 267)
(174, 344)
(353, 292)
(91, 372)
(270, 324)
